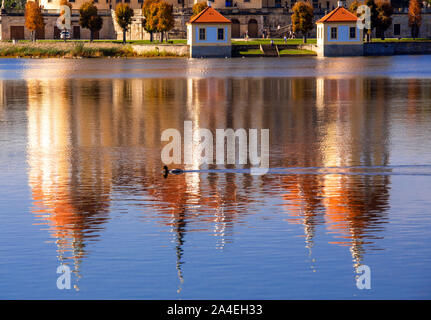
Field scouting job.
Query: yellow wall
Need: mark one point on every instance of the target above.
(101, 4)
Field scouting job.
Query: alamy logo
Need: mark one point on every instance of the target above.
(363, 281)
(64, 20)
(64, 281)
(364, 15)
(199, 147)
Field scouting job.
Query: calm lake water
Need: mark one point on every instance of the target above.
(349, 184)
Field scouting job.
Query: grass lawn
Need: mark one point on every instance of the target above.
(288, 52)
(234, 42)
(178, 41)
(268, 41)
(251, 52)
(401, 40)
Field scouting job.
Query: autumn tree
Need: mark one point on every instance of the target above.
(33, 18)
(66, 3)
(373, 19)
(384, 17)
(123, 16)
(198, 7)
(150, 13)
(353, 8)
(165, 18)
(302, 18)
(13, 4)
(415, 18)
(89, 18)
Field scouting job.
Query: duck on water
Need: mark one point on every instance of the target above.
(166, 171)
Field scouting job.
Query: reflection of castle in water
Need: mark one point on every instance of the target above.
(87, 138)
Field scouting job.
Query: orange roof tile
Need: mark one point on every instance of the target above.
(339, 14)
(209, 15)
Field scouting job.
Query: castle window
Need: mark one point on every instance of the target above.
(334, 33)
(220, 34)
(202, 34)
(352, 33)
(397, 29)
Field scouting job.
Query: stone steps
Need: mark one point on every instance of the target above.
(269, 50)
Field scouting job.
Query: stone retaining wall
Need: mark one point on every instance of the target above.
(178, 50)
(396, 48)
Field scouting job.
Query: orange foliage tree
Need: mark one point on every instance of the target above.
(158, 17)
(123, 16)
(415, 18)
(384, 17)
(33, 18)
(302, 18)
(66, 3)
(165, 18)
(89, 18)
(198, 7)
(353, 8)
(149, 10)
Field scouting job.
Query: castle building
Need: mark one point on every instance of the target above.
(252, 18)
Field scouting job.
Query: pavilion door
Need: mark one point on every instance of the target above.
(236, 33)
(40, 33)
(252, 29)
(17, 32)
(56, 33)
(76, 32)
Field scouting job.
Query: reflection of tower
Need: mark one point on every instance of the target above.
(303, 204)
(193, 112)
(179, 227)
(193, 198)
(355, 135)
(70, 191)
(2, 97)
(302, 193)
(12, 93)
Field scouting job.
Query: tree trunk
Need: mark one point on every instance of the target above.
(415, 31)
(369, 35)
(382, 34)
(91, 35)
(304, 38)
(161, 37)
(151, 36)
(33, 36)
(124, 36)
